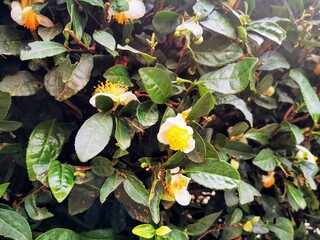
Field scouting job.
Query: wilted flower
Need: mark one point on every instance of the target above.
(136, 10)
(268, 180)
(316, 59)
(305, 154)
(118, 93)
(177, 188)
(175, 133)
(23, 14)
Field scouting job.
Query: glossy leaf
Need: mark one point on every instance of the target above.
(118, 73)
(110, 185)
(265, 160)
(3, 188)
(60, 178)
(76, 20)
(157, 84)
(149, 59)
(147, 113)
(247, 193)
(135, 189)
(233, 78)
(101, 234)
(165, 22)
(283, 228)
(272, 60)
(198, 154)
(295, 198)
(268, 29)
(22, 83)
(202, 107)
(93, 136)
(35, 212)
(213, 174)
(14, 226)
(42, 49)
(102, 167)
(202, 225)
(122, 134)
(239, 150)
(105, 39)
(59, 234)
(45, 144)
(295, 131)
(309, 96)
(144, 230)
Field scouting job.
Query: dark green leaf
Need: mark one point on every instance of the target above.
(22, 83)
(236, 215)
(60, 178)
(268, 29)
(213, 174)
(295, 197)
(198, 154)
(105, 39)
(295, 131)
(5, 102)
(42, 49)
(232, 78)
(110, 185)
(202, 225)
(204, 7)
(12, 40)
(14, 226)
(309, 96)
(98, 3)
(157, 84)
(149, 59)
(122, 134)
(93, 136)
(272, 60)
(238, 129)
(239, 150)
(119, 5)
(309, 170)
(175, 160)
(265, 160)
(104, 103)
(59, 234)
(76, 19)
(283, 228)
(147, 113)
(135, 189)
(101, 234)
(202, 107)
(118, 73)
(45, 144)
(165, 22)
(8, 126)
(102, 167)
(35, 212)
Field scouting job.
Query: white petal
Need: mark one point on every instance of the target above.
(190, 146)
(92, 100)
(174, 170)
(127, 97)
(162, 134)
(16, 13)
(182, 196)
(136, 9)
(44, 21)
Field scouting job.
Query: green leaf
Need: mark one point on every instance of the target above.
(257, 135)
(22, 83)
(235, 101)
(157, 84)
(102, 167)
(42, 49)
(213, 174)
(60, 178)
(14, 226)
(265, 160)
(3, 188)
(309, 170)
(122, 134)
(202, 107)
(47, 34)
(232, 78)
(8, 126)
(239, 150)
(165, 22)
(204, 7)
(272, 60)
(93, 136)
(105, 39)
(5, 102)
(104, 103)
(12, 40)
(118, 73)
(110, 185)
(147, 113)
(67, 79)
(202, 225)
(45, 144)
(264, 101)
(119, 5)
(236, 216)
(135, 189)
(218, 23)
(98, 3)
(247, 193)
(149, 59)
(268, 29)
(59, 234)
(198, 154)
(295, 197)
(295, 130)
(309, 96)
(216, 55)
(76, 19)
(101, 234)
(35, 212)
(238, 129)
(175, 160)
(144, 230)
(283, 228)
(155, 198)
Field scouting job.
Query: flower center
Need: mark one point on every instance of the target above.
(178, 138)
(30, 18)
(115, 89)
(121, 18)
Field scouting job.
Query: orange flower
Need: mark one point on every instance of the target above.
(136, 10)
(23, 14)
(268, 180)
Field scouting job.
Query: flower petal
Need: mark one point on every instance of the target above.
(136, 9)
(16, 13)
(191, 145)
(126, 97)
(182, 196)
(44, 21)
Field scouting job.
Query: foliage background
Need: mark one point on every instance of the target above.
(252, 83)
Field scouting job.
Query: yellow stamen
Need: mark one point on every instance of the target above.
(178, 138)
(111, 88)
(121, 18)
(176, 185)
(30, 19)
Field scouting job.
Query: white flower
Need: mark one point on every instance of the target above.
(175, 133)
(305, 154)
(23, 14)
(115, 91)
(136, 10)
(177, 188)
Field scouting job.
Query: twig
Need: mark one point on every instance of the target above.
(264, 47)
(34, 192)
(78, 112)
(218, 228)
(285, 117)
(83, 168)
(71, 33)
